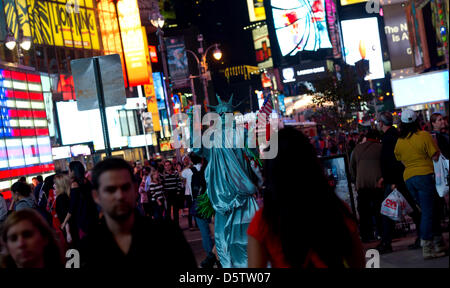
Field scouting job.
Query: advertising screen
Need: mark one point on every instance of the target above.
(397, 35)
(337, 172)
(133, 42)
(361, 39)
(256, 10)
(109, 26)
(159, 89)
(177, 58)
(350, 2)
(262, 47)
(88, 127)
(62, 152)
(420, 89)
(50, 23)
(24, 137)
(82, 150)
(300, 25)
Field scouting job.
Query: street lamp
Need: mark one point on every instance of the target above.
(157, 21)
(24, 43)
(203, 67)
(217, 53)
(10, 41)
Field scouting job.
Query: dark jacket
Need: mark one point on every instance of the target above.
(157, 245)
(25, 203)
(365, 165)
(391, 169)
(442, 140)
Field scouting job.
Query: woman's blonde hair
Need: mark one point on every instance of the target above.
(154, 174)
(62, 184)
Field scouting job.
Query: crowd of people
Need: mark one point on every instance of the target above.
(401, 158)
(123, 214)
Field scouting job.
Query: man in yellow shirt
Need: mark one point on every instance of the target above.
(417, 150)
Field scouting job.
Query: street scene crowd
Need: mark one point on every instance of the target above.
(122, 214)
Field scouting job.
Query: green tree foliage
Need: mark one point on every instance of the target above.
(342, 92)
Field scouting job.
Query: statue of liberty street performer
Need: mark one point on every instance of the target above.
(230, 181)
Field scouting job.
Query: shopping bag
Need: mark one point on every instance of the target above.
(395, 206)
(441, 175)
(390, 207)
(404, 207)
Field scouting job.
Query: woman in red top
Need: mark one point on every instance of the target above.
(302, 223)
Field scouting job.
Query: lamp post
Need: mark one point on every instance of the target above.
(203, 67)
(24, 43)
(157, 20)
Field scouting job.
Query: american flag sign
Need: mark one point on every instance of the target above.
(25, 147)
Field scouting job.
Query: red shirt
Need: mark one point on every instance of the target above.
(258, 229)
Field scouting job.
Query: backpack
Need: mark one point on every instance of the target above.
(198, 187)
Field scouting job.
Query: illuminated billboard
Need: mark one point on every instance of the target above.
(256, 10)
(262, 47)
(350, 2)
(300, 25)
(133, 42)
(109, 26)
(420, 89)
(24, 137)
(88, 127)
(177, 61)
(361, 39)
(49, 22)
(149, 90)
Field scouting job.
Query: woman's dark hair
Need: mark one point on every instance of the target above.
(299, 205)
(195, 159)
(78, 171)
(408, 129)
(21, 188)
(48, 184)
(53, 254)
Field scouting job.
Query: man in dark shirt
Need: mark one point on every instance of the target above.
(392, 171)
(124, 239)
(37, 189)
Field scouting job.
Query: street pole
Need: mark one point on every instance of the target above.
(205, 87)
(141, 110)
(194, 97)
(101, 106)
(202, 69)
(166, 77)
(167, 84)
(374, 98)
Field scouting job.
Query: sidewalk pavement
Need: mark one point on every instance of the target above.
(401, 257)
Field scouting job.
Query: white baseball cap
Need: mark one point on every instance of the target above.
(408, 116)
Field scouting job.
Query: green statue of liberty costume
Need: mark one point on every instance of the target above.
(230, 190)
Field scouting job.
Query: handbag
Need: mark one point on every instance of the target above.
(441, 168)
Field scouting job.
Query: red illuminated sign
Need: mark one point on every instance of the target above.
(153, 54)
(66, 87)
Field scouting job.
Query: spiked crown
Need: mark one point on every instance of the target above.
(224, 107)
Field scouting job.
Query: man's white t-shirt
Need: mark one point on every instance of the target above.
(187, 174)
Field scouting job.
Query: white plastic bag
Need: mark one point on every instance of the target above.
(395, 206)
(441, 175)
